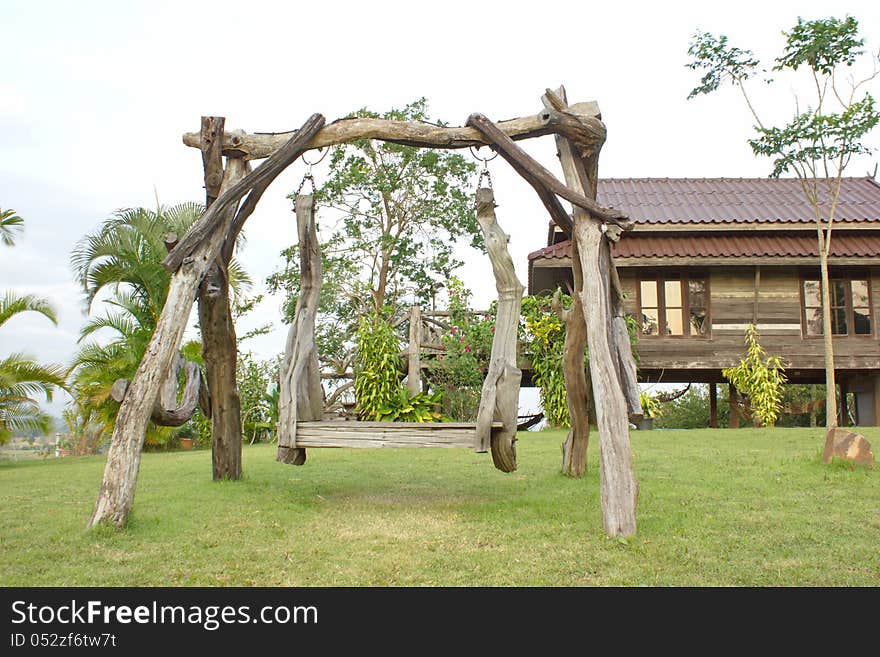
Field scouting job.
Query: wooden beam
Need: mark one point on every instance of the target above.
(539, 177)
(410, 133)
(253, 184)
(211, 145)
(713, 405)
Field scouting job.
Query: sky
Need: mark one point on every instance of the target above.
(95, 96)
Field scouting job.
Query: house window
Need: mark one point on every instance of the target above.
(850, 306)
(674, 306)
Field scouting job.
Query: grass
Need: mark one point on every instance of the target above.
(717, 508)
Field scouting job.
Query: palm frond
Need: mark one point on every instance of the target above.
(12, 304)
(10, 225)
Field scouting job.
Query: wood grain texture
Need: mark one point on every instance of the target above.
(350, 434)
(578, 394)
(500, 393)
(414, 366)
(220, 346)
(300, 395)
(618, 487)
(261, 145)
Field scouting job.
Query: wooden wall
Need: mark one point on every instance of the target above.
(732, 307)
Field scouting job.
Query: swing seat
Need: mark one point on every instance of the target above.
(349, 433)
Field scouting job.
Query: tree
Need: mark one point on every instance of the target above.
(122, 260)
(21, 378)
(819, 142)
(393, 216)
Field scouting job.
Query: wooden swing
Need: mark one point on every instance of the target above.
(300, 399)
(197, 264)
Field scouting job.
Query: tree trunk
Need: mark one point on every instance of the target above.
(220, 352)
(219, 346)
(828, 339)
(499, 400)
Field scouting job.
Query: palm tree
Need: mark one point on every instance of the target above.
(22, 379)
(121, 263)
(10, 224)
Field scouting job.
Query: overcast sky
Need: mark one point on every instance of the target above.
(94, 98)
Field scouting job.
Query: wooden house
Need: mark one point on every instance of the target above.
(707, 257)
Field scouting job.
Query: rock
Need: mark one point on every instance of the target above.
(848, 445)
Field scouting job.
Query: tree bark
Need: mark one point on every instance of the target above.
(300, 393)
(577, 387)
(408, 133)
(220, 353)
(500, 395)
(619, 490)
(118, 486)
(219, 344)
(828, 339)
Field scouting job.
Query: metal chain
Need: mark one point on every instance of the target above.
(484, 172)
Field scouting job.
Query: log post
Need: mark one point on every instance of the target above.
(414, 368)
(713, 405)
(219, 344)
(609, 360)
(577, 387)
(499, 400)
(619, 490)
(118, 486)
(300, 392)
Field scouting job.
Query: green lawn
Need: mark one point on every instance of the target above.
(717, 507)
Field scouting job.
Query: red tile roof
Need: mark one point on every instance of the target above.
(642, 245)
(732, 200)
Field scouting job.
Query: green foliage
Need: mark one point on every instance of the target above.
(123, 258)
(818, 142)
(650, 405)
(21, 378)
(543, 343)
(760, 377)
(259, 396)
(394, 215)
(811, 137)
(405, 407)
(459, 371)
(823, 45)
(720, 61)
(377, 374)
(10, 225)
